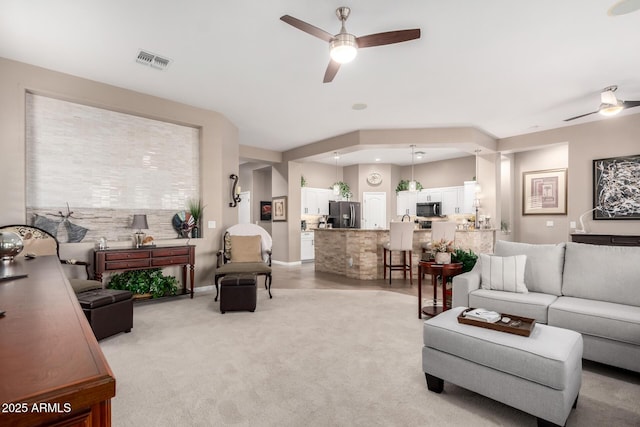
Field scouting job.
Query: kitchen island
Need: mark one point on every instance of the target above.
(357, 253)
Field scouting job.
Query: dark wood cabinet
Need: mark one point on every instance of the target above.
(52, 370)
(606, 239)
(143, 258)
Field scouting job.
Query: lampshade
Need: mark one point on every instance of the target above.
(343, 48)
(476, 203)
(140, 222)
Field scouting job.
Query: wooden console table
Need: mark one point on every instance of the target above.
(145, 258)
(53, 371)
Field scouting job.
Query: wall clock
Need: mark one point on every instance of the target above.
(374, 178)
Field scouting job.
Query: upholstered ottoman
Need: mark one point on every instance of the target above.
(540, 374)
(109, 311)
(238, 292)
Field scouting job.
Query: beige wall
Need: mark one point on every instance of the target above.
(216, 132)
(534, 228)
(616, 136)
(445, 173)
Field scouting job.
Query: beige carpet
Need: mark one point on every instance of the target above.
(311, 358)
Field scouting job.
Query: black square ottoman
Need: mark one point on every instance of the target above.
(109, 311)
(238, 292)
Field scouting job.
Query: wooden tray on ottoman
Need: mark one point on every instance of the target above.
(524, 328)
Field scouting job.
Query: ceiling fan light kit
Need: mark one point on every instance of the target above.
(343, 47)
(609, 104)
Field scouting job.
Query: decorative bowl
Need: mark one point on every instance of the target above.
(10, 245)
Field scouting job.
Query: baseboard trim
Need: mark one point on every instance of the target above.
(286, 263)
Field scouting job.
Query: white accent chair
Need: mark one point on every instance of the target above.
(248, 258)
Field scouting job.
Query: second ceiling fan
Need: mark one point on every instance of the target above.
(344, 46)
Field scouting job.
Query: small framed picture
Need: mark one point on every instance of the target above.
(279, 209)
(544, 192)
(265, 211)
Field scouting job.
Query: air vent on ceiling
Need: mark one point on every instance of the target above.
(152, 60)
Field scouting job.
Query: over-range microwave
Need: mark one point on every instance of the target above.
(428, 209)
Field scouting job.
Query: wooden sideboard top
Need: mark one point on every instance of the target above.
(606, 239)
(48, 352)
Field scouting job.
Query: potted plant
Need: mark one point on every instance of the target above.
(149, 283)
(403, 185)
(443, 250)
(345, 191)
(196, 209)
(467, 258)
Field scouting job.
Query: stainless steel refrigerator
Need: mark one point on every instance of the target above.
(344, 214)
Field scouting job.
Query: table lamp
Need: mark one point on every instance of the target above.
(139, 222)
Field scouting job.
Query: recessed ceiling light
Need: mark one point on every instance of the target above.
(623, 7)
(378, 159)
(359, 106)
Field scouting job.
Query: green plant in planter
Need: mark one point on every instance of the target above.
(197, 210)
(403, 185)
(303, 182)
(467, 258)
(140, 282)
(345, 191)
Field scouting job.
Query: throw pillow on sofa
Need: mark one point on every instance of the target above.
(503, 273)
(545, 263)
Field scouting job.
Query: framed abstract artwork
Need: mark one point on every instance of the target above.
(616, 188)
(279, 209)
(544, 192)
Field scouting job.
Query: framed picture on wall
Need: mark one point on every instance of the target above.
(279, 209)
(616, 188)
(544, 192)
(265, 211)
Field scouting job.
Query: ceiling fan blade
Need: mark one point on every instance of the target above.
(389, 37)
(630, 104)
(332, 70)
(307, 28)
(582, 115)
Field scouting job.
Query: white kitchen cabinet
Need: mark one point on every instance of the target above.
(427, 195)
(307, 248)
(406, 202)
(452, 200)
(315, 201)
(469, 196)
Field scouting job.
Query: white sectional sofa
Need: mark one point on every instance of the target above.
(591, 289)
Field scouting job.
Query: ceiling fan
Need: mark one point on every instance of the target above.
(609, 104)
(343, 47)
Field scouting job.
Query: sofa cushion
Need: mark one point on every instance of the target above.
(543, 272)
(503, 273)
(618, 322)
(602, 273)
(532, 304)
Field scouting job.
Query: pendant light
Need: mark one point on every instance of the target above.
(478, 188)
(336, 186)
(413, 186)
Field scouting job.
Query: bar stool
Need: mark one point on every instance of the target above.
(400, 239)
(440, 230)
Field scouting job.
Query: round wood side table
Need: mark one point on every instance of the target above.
(434, 269)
